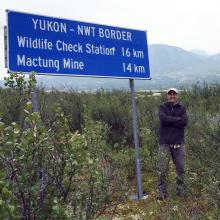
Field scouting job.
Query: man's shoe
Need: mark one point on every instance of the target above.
(161, 196)
(181, 194)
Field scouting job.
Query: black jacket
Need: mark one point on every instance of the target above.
(173, 119)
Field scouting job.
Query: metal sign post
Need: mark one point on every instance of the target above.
(34, 100)
(5, 45)
(136, 141)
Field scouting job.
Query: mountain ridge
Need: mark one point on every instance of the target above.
(200, 52)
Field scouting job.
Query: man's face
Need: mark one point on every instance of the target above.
(172, 97)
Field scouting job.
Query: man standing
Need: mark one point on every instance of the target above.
(173, 119)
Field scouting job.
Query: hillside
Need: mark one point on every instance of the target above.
(174, 65)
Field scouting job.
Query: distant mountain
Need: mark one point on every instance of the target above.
(200, 52)
(175, 66)
(169, 65)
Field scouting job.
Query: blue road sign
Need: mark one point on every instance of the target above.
(48, 45)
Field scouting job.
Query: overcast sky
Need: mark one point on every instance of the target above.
(189, 24)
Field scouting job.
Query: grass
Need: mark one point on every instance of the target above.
(196, 206)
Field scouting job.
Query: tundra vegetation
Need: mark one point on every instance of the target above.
(74, 158)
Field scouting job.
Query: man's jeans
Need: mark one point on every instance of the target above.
(178, 155)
